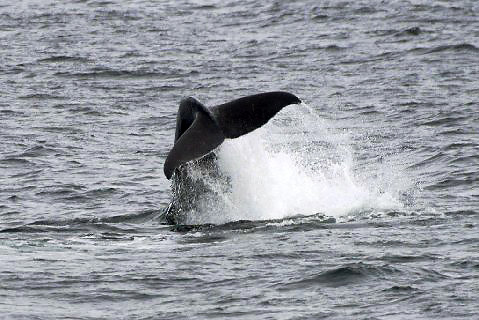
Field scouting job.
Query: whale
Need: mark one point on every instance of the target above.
(200, 130)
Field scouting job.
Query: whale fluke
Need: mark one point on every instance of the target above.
(200, 130)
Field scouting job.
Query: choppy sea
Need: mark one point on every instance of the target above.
(360, 203)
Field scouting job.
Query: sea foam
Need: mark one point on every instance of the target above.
(297, 164)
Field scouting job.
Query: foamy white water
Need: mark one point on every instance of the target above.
(297, 164)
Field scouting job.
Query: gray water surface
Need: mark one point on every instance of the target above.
(88, 97)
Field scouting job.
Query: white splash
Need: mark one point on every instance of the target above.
(297, 164)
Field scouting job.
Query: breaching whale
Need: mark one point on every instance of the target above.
(199, 130)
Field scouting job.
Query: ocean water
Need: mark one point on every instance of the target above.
(360, 203)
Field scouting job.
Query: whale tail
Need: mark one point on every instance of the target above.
(200, 130)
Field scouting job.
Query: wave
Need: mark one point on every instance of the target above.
(120, 224)
(414, 31)
(61, 58)
(445, 121)
(42, 96)
(106, 73)
(392, 55)
(341, 276)
(461, 47)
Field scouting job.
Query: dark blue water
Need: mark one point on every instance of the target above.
(361, 203)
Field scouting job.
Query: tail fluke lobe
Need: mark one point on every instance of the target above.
(200, 138)
(243, 115)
